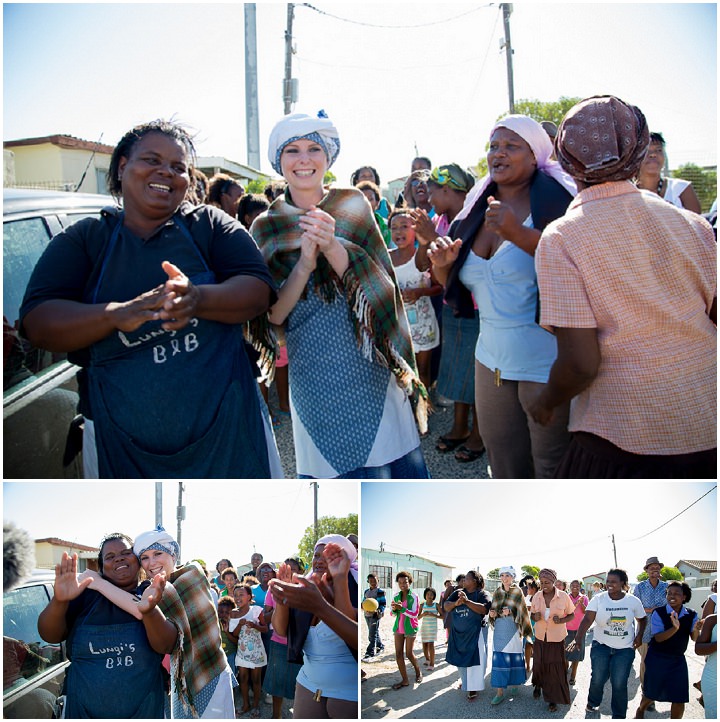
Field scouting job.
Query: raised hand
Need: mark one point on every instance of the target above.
(443, 251)
(153, 594)
(336, 559)
(67, 585)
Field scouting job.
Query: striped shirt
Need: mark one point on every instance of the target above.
(643, 273)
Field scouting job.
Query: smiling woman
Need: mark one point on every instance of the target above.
(151, 301)
(108, 647)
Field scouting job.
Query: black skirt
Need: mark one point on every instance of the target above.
(592, 457)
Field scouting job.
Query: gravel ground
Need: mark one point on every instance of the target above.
(442, 466)
(438, 696)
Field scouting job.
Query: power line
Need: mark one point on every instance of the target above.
(393, 27)
(675, 517)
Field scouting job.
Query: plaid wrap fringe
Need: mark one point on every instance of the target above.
(376, 307)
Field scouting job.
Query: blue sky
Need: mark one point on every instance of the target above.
(223, 519)
(432, 77)
(564, 525)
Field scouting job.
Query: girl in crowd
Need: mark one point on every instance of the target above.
(666, 671)
(406, 608)
(580, 602)
(614, 641)
(246, 628)
(532, 588)
(280, 674)
(429, 614)
(511, 626)
(224, 192)
(351, 363)
(416, 287)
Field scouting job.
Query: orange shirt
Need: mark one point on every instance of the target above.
(644, 274)
(560, 605)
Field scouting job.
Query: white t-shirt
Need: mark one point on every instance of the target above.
(615, 619)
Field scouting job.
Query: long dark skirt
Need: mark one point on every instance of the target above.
(550, 671)
(592, 457)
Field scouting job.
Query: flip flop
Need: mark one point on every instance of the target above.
(471, 696)
(466, 456)
(400, 685)
(445, 445)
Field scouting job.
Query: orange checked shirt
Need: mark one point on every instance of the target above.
(644, 274)
(560, 605)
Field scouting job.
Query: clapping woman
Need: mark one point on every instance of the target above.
(351, 362)
(511, 626)
(151, 301)
(666, 671)
(467, 642)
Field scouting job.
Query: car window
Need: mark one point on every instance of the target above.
(24, 240)
(25, 654)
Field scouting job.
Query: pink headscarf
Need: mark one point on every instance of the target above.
(535, 136)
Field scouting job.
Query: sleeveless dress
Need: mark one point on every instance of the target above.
(709, 681)
(423, 322)
(428, 625)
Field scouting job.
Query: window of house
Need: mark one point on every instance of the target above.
(383, 575)
(422, 579)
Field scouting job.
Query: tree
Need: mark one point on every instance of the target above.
(326, 525)
(553, 110)
(494, 573)
(257, 185)
(704, 182)
(666, 574)
(527, 569)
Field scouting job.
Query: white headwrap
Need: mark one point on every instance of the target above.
(346, 545)
(508, 570)
(158, 538)
(535, 136)
(299, 125)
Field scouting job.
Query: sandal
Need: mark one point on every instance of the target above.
(465, 455)
(552, 707)
(418, 676)
(445, 445)
(471, 696)
(400, 685)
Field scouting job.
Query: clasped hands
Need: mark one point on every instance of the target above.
(173, 302)
(318, 236)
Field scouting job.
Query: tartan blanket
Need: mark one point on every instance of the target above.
(377, 311)
(198, 656)
(514, 600)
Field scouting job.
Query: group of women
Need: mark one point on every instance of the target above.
(157, 300)
(554, 624)
(118, 631)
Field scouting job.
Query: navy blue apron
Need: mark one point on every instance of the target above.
(180, 404)
(114, 672)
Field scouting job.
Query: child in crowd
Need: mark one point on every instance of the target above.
(416, 287)
(229, 578)
(406, 608)
(250, 657)
(429, 614)
(225, 607)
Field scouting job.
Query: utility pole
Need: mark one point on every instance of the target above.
(252, 122)
(614, 550)
(507, 11)
(290, 83)
(315, 516)
(158, 503)
(180, 518)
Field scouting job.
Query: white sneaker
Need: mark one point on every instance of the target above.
(268, 699)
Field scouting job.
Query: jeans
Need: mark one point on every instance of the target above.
(615, 665)
(375, 643)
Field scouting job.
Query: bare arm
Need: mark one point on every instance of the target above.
(575, 368)
(690, 200)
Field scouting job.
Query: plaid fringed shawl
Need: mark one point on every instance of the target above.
(198, 656)
(377, 311)
(514, 600)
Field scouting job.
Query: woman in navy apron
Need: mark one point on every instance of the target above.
(152, 301)
(109, 649)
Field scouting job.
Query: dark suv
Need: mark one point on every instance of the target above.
(39, 387)
(33, 670)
